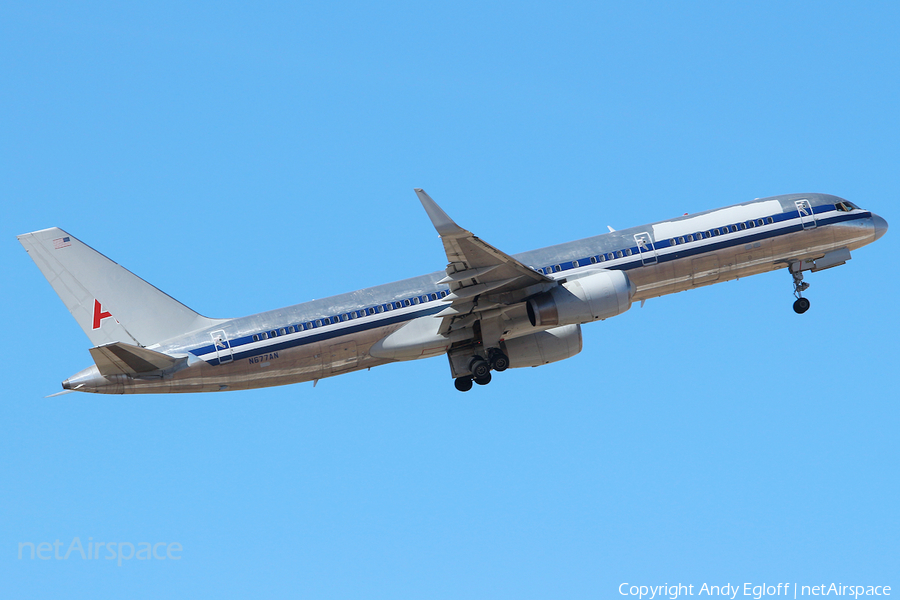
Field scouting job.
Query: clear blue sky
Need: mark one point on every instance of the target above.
(243, 158)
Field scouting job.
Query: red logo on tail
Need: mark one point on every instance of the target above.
(99, 315)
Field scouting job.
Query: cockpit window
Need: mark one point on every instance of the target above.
(845, 206)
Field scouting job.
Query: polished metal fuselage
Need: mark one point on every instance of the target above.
(309, 355)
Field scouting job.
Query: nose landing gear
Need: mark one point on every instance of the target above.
(801, 304)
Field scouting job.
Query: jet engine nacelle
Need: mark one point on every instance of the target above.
(543, 347)
(597, 296)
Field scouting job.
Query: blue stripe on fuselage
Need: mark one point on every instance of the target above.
(278, 344)
(704, 246)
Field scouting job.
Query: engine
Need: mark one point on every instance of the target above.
(597, 296)
(543, 347)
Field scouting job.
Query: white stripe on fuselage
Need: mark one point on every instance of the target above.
(661, 233)
(718, 218)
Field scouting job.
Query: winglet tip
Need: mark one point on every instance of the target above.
(441, 221)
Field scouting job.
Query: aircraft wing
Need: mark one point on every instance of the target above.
(477, 269)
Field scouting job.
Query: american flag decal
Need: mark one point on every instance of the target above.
(61, 243)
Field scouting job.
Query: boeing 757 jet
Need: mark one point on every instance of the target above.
(487, 311)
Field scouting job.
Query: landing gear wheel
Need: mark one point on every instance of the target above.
(499, 361)
(483, 380)
(479, 367)
(801, 305)
(463, 384)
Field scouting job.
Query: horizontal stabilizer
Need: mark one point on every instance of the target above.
(124, 359)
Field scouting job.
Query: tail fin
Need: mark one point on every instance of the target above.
(110, 303)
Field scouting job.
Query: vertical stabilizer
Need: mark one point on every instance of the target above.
(110, 303)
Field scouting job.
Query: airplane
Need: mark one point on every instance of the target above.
(487, 311)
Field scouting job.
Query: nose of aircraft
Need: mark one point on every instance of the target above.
(881, 226)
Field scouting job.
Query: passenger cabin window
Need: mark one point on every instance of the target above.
(264, 335)
(672, 242)
(627, 251)
(618, 254)
(743, 226)
(593, 260)
(255, 337)
(689, 238)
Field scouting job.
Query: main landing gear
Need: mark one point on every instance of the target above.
(801, 304)
(480, 370)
